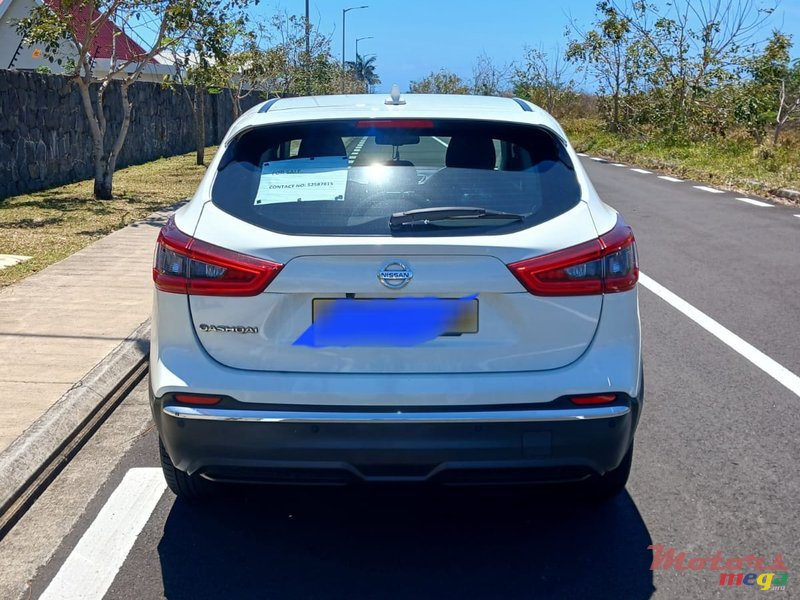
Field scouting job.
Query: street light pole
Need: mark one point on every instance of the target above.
(366, 84)
(308, 51)
(344, 15)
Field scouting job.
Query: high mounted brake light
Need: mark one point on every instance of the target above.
(606, 265)
(185, 265)
(395, 124)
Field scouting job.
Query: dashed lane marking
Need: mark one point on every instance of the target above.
(643, 171)
(618, 165)
(755, 202)
(598, 159)
(442, 142)
(582, 154)
(357, 150)
(95, 561)
(771, 367)
(710, 190)
(672, 179)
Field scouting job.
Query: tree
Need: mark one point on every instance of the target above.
(364, 71)
(441, 82)
(545, 81)
(609, 52)
(203, 61)
(771, 95)
(285, 69)
(489, 79)
(689, 49)
(159, 26)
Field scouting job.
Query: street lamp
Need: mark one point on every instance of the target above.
(344, 14)
(366, 83)
(359, 39)
(308, 51)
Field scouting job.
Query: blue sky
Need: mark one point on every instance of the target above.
(414, 37)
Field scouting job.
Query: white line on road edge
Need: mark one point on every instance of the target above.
(708, 189)
(92, 566)
(755, 202)
(598, 159)
(772, 368)
(442, 142)
(582, 154)
(618, 165)
(641, 171)
(672, 179)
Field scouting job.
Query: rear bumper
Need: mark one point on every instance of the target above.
(556, 443)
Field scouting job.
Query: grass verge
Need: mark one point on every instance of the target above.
(53, 224)
(735, 162)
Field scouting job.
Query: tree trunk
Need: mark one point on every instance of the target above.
(777, 133)
(200, 123)
(237, 109)
(103, 179)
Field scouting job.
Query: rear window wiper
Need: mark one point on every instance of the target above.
(451, 216)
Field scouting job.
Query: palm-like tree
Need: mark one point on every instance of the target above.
(364, 70)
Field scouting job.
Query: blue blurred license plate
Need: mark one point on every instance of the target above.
(437, 316)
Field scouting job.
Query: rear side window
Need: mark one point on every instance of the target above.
(396, 177)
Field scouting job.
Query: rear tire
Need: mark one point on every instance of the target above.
(192, 488)
(612, 482)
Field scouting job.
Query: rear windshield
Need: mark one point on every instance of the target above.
(396, 177)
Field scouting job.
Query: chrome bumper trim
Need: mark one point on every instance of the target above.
(506, 416)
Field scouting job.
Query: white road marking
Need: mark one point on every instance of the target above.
(442, 142)
(705, 188)
(772, 368)
(672, 179)
(582, 154)
(618, 165)
(92, 566)
(642, 171)
(797, 215)
(755, 202)
(598, 159)
(357, 150)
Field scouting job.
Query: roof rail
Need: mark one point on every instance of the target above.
(525, 106)
(267, 105)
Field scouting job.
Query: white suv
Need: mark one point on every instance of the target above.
(424, 288)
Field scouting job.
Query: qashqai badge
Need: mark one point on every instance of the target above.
(395, 275)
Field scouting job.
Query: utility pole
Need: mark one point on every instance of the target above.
(344, 15)
(308, 51)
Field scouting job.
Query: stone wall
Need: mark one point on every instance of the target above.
(44, 133)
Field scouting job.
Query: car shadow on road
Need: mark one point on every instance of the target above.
(404, 543)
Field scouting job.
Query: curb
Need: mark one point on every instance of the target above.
(787, 193)
(23, 460)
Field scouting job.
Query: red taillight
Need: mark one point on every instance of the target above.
(198, 399)
(605, 265)
(395, 124)
(185, 265)
(596, 399)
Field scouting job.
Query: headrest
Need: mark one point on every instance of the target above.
(468, 152)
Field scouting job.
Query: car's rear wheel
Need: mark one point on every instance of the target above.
(612, 482)
(187, 487)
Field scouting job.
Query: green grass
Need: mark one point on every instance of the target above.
(735, 162)
(53, 224)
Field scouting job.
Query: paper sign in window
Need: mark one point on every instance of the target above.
(302, 180)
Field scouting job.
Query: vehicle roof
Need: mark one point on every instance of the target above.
(361, 106)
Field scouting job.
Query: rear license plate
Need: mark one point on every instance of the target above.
(457, 315)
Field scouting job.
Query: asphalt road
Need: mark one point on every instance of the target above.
(715, 468)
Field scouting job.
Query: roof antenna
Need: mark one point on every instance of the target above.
(395, 96)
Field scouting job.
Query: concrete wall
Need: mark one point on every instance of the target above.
(44, 133)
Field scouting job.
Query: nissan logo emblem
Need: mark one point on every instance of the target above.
(395, 275)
